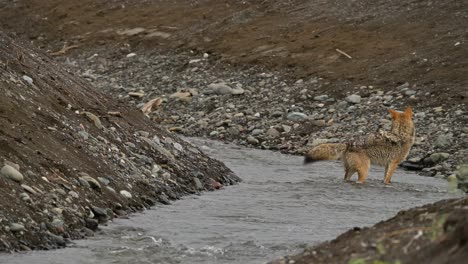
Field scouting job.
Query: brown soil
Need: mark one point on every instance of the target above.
(390, 42)
(41, 127)
(432, 234)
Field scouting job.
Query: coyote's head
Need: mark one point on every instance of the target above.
(402, 122)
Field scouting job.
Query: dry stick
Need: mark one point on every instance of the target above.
(418, 235)
(397, 232)
(63, 50)
(344, 53)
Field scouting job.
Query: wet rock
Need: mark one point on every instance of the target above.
(92, 224)
(412, 166)
(252, 140)
(126, 194)
(297, 116)
(436, 158)
(354, 99)
(87, 232)
(11, 173)
(163, 199)
(58, 240)
(198, 183)
(462, 172)
(216, 185)
(443, 140)
(99, 212)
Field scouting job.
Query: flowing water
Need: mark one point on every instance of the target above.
(279, 207)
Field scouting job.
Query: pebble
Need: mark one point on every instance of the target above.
(28, 79)
(354, 99)
(28, 189)
(272, 132)
(257, 132)
(322, 97)
(91, 182)
(297, 116)
(126, 194)
(92, 224)
(198, 183)
(11, 173)
(252, 140)
(104, 180)
(443, 140)
(15, 227)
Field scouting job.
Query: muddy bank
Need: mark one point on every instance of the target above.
(72, 158)
(434, 233)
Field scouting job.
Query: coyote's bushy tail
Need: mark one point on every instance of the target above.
(330, 151)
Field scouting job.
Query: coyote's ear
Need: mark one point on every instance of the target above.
(393, 113)
(409, 111)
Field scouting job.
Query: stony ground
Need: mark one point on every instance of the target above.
(296, 73)
(199, 96)
(282, 75)
(71, 158)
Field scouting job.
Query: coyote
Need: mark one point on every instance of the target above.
(385, 148)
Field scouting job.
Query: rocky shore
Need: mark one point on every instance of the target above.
(72, 158)
(197, 95)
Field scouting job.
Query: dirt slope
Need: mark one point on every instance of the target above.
(72, 158)
(389, 42)
(432, 234)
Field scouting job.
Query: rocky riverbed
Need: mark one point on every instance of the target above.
(72, 158)
(197, 95)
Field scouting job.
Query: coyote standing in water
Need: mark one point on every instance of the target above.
(385, 148)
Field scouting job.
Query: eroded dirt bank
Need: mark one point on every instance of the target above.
(73, 158)
(435, 233)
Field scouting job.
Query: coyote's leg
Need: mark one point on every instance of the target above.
(348, 173)
(356, 161)
(391, 167)
(363, 169)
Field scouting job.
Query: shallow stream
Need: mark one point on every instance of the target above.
(279, 207)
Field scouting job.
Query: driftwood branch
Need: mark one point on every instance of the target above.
(344, 53)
